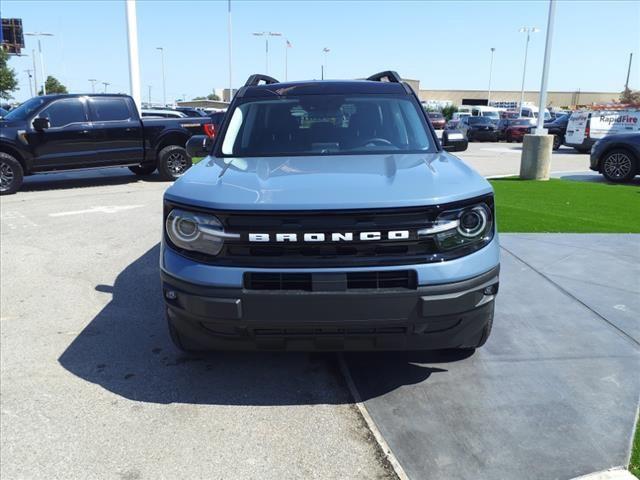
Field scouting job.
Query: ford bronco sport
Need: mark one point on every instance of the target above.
(327, 215)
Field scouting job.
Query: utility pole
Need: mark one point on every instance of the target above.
(490, 72)
(164, 86)
(229, 45)
(93, 84)
(106, 84)
(35, 72)
(528, 31)
(30, 84)
(42, 74)
(626, 84)
(132, 46)
(325, 50)
(149, 97)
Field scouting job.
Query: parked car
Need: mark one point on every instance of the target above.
(452, 124)
(491, 113)
(437, 120)
(588, 126)
(517, 129)
(341, 224)
(459, 115)
(558, 128)
(3, 112)
(478, 128)
(510, 114)
(161, 113)
(191, 112)
(64, 132)
(617, 157)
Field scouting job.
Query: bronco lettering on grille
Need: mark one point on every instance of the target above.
(312, 237)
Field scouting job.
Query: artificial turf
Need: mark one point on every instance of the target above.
(566, 206)
(634, 464)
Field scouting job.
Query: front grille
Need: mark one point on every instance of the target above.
(413, 250)
(308, 282)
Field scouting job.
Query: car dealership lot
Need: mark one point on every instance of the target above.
(91, 386)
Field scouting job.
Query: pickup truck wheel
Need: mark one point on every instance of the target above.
(557, 141)
(143, 169)
(619, 166)
(11, 174)
(173, 161)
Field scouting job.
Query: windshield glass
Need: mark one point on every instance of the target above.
(435, 115)
(25, 110)
(479, 120)
(495, 115)
(327, 125)
(520, 122)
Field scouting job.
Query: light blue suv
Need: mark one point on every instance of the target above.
(326, 215)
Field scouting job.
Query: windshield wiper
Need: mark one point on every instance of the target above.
(225, 168)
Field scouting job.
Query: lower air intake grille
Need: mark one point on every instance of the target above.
(375, 280)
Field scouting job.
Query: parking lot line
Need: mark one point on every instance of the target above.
(105, 209)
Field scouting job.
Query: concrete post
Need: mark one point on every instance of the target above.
(536, 157)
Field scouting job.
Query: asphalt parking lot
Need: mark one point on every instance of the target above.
(92, 388)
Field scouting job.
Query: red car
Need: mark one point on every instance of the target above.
(517, 129)
(437, 120)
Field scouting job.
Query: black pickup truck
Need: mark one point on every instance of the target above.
(64, 132)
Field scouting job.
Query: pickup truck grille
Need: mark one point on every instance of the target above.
(332, 282)
(300, 254)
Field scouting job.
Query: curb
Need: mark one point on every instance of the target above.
(384, 446)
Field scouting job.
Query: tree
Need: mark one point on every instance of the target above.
(629, 96)
(213, 96)
(448, 111)
(199, 98)
(8, 81)
(54, 86)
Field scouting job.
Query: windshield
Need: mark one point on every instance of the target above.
(435, 115)
(327, 125)
(479, 120)
(494, 115)
(520, 122)
(25, 110)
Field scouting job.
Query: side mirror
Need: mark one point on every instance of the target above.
(454, 141)
(199, 146)
(40, 124)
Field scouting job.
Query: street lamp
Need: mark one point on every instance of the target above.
(490, 72)
(528, 31)
(325, 50)
(42, 74)
(266, 36)
(106, 84)
(93, 84)
(164, 87)
(28, 71)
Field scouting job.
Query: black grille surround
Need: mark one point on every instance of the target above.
(242, 253)
(332, 282)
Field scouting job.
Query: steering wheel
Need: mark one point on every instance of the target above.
(377, 141)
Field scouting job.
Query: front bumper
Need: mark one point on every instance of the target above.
(449, 315)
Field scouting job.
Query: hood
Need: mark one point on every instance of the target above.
(328, 182)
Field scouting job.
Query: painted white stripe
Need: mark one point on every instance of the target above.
(105, 209)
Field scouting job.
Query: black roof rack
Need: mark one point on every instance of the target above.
(389, 75)
(257, 78)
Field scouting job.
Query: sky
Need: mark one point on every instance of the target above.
(445, 45)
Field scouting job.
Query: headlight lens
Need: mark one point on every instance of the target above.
(462, 227)
(195, 231)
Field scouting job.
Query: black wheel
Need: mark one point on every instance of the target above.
(143, 169)
(11, 174)
(619, 166)
(173, 161)
(557, 141)
(179, 341)
(469, 136)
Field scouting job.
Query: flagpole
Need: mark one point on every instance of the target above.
(286, 58)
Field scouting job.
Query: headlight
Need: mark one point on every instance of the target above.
(462, 227)
(196, 231)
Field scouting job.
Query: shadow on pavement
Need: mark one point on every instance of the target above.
(126, 350)
(82, 179)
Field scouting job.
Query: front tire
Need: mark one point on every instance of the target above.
(11, 174)
(143, 169)
(619, 166)
(173, 162)
(557, 142)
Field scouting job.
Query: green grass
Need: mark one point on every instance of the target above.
(196, 159)
(566, 206)
(634, 464)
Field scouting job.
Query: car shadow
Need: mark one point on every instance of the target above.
(83, 179)
(126, 350)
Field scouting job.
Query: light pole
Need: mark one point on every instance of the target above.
(30, 84)
(164, 86)
(528, 31)
(42, 74)
(106, 84)
(325, 50)
(490, 72)
(149, 97)
(229, 42)
(266, 36)
(540, 130)
(93, 84)
(287, 46)
(35, 72)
